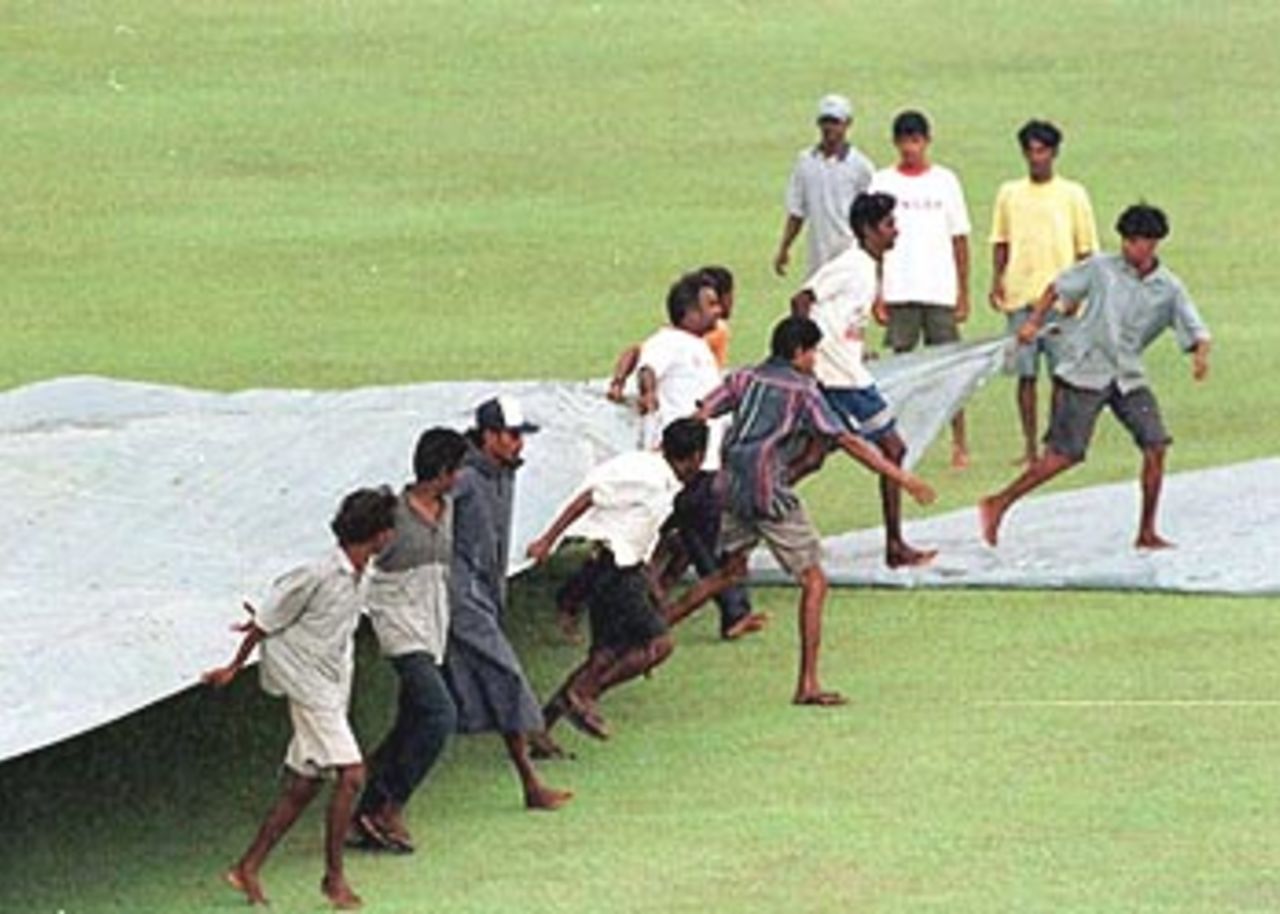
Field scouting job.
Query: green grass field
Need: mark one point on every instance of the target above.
(338, 193)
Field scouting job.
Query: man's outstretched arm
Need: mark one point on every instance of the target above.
(540, 549)
(622, 369)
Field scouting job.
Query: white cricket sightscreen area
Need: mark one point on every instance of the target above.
(140, 516)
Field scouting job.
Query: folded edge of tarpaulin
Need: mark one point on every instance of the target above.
(1225, 522)
(143, 514)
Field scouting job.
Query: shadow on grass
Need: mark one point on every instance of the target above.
(142, 806)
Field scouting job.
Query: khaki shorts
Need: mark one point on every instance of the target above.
(909, 321)
(793, 539)
(322, 741)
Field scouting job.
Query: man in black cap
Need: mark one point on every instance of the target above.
(488, 684)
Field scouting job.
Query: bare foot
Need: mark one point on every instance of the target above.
(546, 798)
(1152, 540)
(1025, 460)
(902, 555)
(748, 624)
(584, 715)
(959, 458)
(820, 699)
(989, 515)
(246, 882)
(335, 888)
(543, 747)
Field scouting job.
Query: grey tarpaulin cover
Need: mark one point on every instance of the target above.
(1225, 522)
(137, 516)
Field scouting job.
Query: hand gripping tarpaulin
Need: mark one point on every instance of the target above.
(137, 516)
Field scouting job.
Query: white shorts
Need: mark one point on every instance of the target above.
(322, 741)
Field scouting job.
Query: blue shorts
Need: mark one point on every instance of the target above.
(871, 413)
(1025, 362)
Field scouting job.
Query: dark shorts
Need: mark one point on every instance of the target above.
(909, 321)
(1075, 411)
(622, 609)
(871, 413)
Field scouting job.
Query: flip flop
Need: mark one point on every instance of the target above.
(373, 837)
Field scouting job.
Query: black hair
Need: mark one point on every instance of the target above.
(1143, 221)
(439, 450)
(1040, 132)
(683, 295)
(791, 335)
(684, 438)
(868, 211)
(720, 279)
(910, 123)
(364, 514)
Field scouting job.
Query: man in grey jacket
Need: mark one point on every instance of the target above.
(486, 679)
(408, 602)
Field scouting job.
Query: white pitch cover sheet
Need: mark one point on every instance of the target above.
(139, 516)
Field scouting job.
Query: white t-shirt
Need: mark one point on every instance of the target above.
(685, 371)
(844, 290)
(930, 212)
(631, 495)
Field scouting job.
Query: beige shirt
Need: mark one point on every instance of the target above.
(310, 618)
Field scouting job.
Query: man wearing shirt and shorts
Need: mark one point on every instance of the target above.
(1041, 224)
(306, 629)
(779, 415)
(824, 181)
(1117, 304)
(621, 507)
(926, 275)
(839, 299)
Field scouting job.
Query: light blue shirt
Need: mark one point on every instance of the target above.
(1121, 314)
(820, 191)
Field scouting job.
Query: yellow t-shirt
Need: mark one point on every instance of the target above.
(1048, 227)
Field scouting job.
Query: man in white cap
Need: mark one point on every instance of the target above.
(489, 686)
(823, 184)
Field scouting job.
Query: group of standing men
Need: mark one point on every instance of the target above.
(1088, 315)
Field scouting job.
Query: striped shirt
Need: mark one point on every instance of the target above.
(777, 413)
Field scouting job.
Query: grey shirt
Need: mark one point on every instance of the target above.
(309, 619)
(820, 191)
(408, 588)
(484, 495)
(1121, 314)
